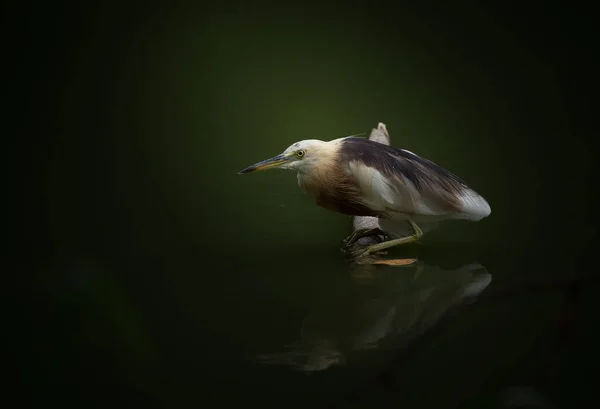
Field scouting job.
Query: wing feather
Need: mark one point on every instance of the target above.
(398, 181)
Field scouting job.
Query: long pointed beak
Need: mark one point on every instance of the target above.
(270, 163)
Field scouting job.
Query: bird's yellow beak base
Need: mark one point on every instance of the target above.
(267, 164)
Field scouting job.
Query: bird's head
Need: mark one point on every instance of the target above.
(298, 156)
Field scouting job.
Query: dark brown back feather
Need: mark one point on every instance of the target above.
(430, 179)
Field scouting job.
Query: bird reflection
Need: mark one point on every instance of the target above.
(385, 309)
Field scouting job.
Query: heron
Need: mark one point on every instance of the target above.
(409, 194)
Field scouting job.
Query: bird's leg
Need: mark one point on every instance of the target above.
(357, 234)
(396, 242)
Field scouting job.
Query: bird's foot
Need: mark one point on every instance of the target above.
(379, 247)
(357, 234)
(416, 236)
(360, 256)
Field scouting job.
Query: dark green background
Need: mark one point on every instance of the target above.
(148, 268)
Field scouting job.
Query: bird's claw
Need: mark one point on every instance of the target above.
(357, 234)
(369, 254)
(350, 239)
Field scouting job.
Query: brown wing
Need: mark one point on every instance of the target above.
(406, 182)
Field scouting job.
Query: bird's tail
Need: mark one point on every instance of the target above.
(474, 206)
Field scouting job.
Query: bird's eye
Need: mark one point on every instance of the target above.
(300, 153)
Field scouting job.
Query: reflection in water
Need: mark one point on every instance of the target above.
(384, 309)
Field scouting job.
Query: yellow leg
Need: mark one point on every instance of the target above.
(418, 233)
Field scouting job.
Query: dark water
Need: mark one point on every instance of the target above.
(299, 328)
(150, 273)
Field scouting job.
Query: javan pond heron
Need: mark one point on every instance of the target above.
(360, 177)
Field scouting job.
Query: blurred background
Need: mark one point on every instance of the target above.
(148, 272)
